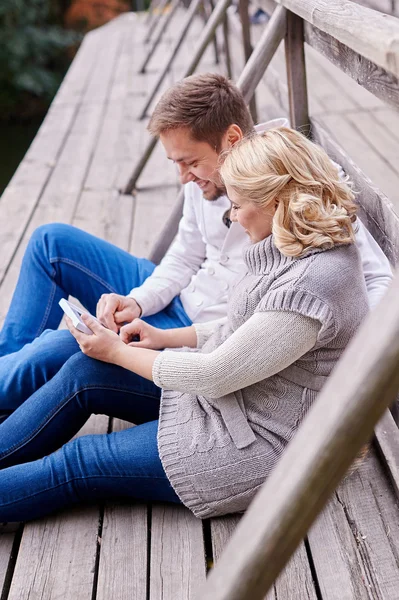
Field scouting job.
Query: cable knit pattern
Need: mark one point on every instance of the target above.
(218, 450)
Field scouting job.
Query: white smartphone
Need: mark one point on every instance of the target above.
(74, 313)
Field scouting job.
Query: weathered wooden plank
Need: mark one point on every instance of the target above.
(23, 193)
(150, 216)
(379, 138)
(375, 208)
(387, 440)
(373, 78)
(365, 31)
(177, 553)
(7, 538)
(122, 572)
(57, 554)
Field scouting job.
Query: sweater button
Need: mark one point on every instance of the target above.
(199, 302)
(223, 259)
(226, 286)
(211, 270)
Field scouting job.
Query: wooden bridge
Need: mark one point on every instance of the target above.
(77, 170)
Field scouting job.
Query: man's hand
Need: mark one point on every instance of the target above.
(113, 310)
(148, 336)
(103, 345)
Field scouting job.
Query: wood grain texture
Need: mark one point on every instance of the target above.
(373, 78)
(294, 583)
(367, 32)
(296, 74)
(177, 554)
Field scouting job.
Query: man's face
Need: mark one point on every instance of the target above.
(196, 161)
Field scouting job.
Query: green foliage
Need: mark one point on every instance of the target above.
(33, 56)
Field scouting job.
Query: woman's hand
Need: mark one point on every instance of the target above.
(147, 335)
(103, 345)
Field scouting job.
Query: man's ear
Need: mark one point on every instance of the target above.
(233, 135)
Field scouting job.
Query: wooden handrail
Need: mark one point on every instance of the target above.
(366, 31)
(364, 383)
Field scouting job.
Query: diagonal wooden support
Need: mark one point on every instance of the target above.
(173, 8)
(155, 20)
(263, 53)
(206, 36)
(243, 6)
(194, 6)
(362, 386)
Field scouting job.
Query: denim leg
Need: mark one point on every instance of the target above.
(25, 371)
(125, 464)
(53, 414)
(61, 260)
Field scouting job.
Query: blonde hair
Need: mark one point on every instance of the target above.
(314, 208)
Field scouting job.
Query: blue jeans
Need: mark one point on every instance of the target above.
(61, 260)
(124, 464)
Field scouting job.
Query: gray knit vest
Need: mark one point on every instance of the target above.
(218, 452)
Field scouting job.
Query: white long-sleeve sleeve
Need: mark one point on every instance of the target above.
(183, 259)
(264, 345)
(376, 268)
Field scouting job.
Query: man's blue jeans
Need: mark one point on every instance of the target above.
(61, 260)
(91, 468)
(49, 388)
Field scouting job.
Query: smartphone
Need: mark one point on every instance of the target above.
(74, 313)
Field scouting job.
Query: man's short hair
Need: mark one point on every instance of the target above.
(207, 104)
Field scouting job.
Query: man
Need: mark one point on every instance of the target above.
(196, 120)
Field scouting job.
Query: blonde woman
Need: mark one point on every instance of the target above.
(214, 417)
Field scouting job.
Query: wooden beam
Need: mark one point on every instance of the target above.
(368, 32)
(263, 53)
(373, 78)
(168, 232)
(296, 74)
(361, 387)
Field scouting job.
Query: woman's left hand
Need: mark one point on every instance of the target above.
(103, 345)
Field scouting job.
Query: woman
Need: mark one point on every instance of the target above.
(236, 392)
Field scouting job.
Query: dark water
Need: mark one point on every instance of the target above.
(15, 139)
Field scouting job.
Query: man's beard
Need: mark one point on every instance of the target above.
(214, 193)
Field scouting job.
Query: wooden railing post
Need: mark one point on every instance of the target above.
(243, 6)
(296, 73)
(263, 53)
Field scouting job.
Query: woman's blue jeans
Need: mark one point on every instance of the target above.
(61, 260)
(47, 477)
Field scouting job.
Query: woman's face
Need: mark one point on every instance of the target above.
(256, 220)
